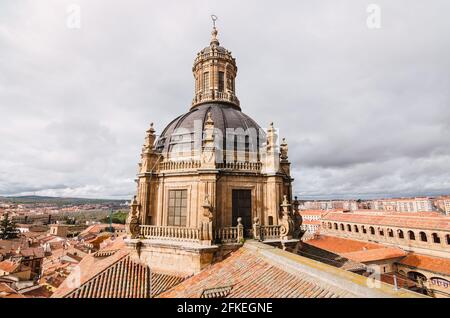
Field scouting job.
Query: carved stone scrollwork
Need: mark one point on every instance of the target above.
(207, 228)
(207, 208)
(287, 224)
(132, 224)
(298, 220)
(284, 149)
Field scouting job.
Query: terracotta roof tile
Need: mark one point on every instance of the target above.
(340, 245)
(113, 274)
(375, 254)
(38, 292)
(8, 266)
(312, 212)
(251, 276)
(430, 263)
(397, 220)
(311, 222)
(125, 279)
(356, 251)
(34, 252)
(330, 258)
(8, 292)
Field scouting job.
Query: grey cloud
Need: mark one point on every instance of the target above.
(364, 111)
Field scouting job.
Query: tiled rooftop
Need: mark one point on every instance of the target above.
(330, 258)
(341, 245)
(252, 277)
(375, 255)
(397, 220)
(8, 292)
(259, 271)
(312, 212)
(8, 266)
(429, 263)
(356, 251)
(113, 274)
(311, 222)
(255, 270)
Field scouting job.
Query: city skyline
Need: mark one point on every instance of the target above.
(365, 111)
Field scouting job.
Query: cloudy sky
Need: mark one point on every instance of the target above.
(366, 111)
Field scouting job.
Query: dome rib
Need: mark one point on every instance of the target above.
(223, 115)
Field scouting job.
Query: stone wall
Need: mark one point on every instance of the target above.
(391, 236)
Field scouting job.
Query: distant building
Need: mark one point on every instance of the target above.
(311, 223)
(347, 205)
(442, 204)
(403, 205)
(59, 230)
(415, 232)
(421, 273)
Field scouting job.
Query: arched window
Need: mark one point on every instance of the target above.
(335, 226)
(205, 82)
(221, 81)
(349, 228)
(342, 227)
(436, 238)
(400, 234)
(448, 239)
(380, 230)
(411, 235)
(364, 230)
(329, 225)
(390, 233)
(417, 277)
(372, 230)
(423, 237)
(356, 228)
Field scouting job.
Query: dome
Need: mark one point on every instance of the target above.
(235, 134)
(225, 116)
(217, 48)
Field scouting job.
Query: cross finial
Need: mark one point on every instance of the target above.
(214, 40)
(214, 18)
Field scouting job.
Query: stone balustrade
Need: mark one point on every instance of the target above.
(195, 235)
(214, 95)
(196, 164)
(212, 54)
(251, 166)
(227, 235)
(172, 233)
(179, 165)
(270, 232)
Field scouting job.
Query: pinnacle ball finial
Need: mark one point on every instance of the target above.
(209, 120)
(151, 130)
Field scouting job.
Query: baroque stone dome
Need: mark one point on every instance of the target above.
(226, 117)
(215, 102)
